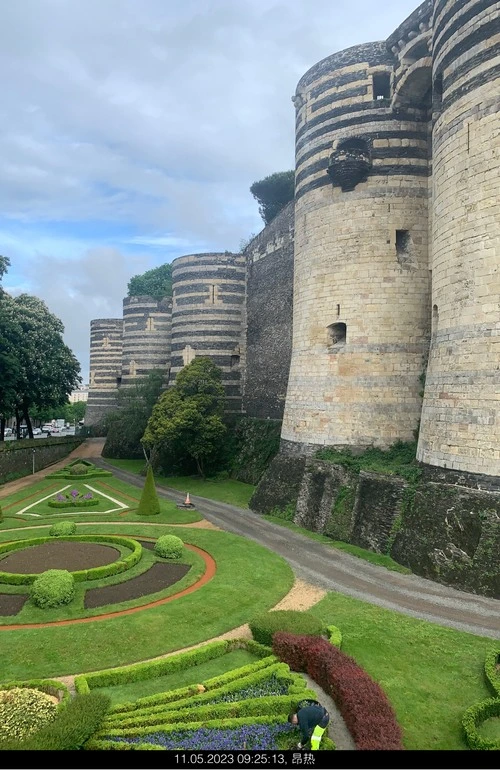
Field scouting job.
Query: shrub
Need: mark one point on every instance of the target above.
(264, 626)
(79, 469)
(169, 547)
(23, 711)
(149, 504)
(73, 726)
(364, 706)
(62, 528)
(53, 588)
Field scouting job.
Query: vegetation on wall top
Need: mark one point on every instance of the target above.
(273, 193)
(155, 283)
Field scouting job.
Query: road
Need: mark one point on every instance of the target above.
(334, 570)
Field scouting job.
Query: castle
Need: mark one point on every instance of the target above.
(369, 309)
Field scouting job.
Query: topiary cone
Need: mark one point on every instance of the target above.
(149, 504)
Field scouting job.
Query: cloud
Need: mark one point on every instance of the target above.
(132, 131)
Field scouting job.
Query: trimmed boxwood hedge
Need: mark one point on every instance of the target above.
(169, 547)
(53, 588)
(293, 621)
(62, 528)
(24, 711)
(472, 720)
(95, 573)
(181, 661)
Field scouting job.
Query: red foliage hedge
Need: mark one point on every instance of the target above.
(361, 701)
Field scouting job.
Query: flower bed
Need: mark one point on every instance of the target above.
(74, 499)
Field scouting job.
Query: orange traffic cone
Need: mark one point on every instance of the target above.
(187, 501)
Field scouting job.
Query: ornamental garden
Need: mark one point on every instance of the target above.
(111, 601)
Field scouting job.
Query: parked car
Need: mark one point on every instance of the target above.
(7, 432)
(47, 428)
(37, 431)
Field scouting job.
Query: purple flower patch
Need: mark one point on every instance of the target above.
(253, 737)
(74, 493)
(88, 496)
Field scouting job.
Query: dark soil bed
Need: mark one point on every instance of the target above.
(59, 554)
(11, 604)
(158, 577)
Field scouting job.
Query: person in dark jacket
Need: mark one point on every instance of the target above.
(312, 719)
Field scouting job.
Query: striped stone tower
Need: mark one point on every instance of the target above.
(146, 337)
(208, 302)
(461, 412)
(105, 367)
(361, 272)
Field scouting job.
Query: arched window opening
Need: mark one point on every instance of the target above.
(336, 335)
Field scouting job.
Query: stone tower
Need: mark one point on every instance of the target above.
(106, 343)
(461, 412)
(208, 302)
(146, 337)
(361, 271)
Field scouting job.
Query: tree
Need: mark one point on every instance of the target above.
(49, 370)
(126, 425)
(273, 193)
(187, 420)
(10, 367)
(149, 504)
(155, 283)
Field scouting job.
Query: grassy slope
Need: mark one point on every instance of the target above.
(249, 579)
(226, 491)
(431, 674)
(193, 675)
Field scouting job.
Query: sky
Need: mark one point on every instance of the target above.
(131, 131)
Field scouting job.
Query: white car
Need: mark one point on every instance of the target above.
(7, 432)
(37, 431)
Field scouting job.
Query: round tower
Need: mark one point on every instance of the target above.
(147, 326)
(461, 412)
(361, 272)
(208, 303)
(106, 342)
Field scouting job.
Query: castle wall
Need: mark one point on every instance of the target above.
(268, 319)
(106, 344)
(147, 332)
(461, 412)
(208, 301)
(361, 283)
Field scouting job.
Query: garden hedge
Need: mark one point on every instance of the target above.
(71, 728)
(53, 588)
(24, 711)
(364, 706)
(169, 547)
(295, 622)
(95, 573)
(62, 528)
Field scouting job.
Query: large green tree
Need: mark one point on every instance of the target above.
(10, 368)
(187, 421)
(273, 193)
(126, 425)
(40, 370)
(155, 283)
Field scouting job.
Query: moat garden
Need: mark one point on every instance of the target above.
(110, 623)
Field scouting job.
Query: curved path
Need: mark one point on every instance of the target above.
(334, 570)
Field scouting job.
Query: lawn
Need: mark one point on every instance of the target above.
(225, 490)
(431, 674)
(249, 579)
(199, 673)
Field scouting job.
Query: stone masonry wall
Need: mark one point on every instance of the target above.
(268, 332)
(361, 261)
(461, 412)
(16, 457)
(106, 345)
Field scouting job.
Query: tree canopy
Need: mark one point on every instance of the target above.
(187, 420)
(155, 283)
(273, 193)
(126, 425)
(37, 370)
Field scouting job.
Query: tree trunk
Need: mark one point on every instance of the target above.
(2, 428)
(199, 465)
(18, 423)
(28, 421)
